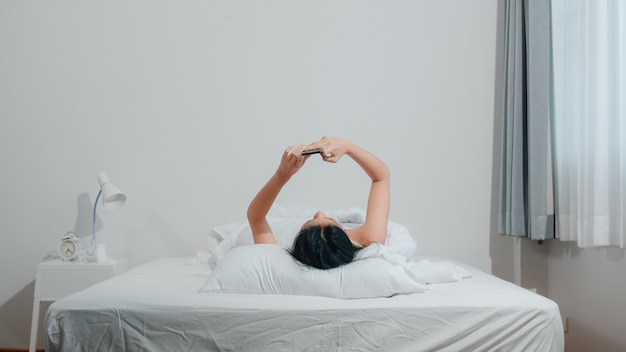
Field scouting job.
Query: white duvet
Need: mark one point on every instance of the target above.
(157, 307)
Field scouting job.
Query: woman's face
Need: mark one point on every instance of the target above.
(320, 219)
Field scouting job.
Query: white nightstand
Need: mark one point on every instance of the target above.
(57, 279)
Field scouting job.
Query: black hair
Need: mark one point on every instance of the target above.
(323, 247)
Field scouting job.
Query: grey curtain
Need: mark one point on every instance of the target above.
(526, 193)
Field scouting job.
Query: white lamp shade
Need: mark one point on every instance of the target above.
(112, 197)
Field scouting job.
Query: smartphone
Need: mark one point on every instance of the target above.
(312, 151)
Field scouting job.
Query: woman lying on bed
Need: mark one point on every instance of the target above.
(322, 242)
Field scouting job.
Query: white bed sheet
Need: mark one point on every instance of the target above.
(157, 307)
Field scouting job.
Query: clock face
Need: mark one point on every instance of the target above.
(68, 249)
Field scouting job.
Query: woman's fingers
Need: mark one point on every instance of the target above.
(293, 154)
(290, 149)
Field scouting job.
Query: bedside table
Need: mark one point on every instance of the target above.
(57, 279)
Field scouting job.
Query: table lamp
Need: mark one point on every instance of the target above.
(112, 198)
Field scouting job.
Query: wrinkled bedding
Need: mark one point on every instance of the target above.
(157, 306)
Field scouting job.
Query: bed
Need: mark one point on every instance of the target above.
(172, 304)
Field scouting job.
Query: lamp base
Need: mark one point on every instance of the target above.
(101, 254)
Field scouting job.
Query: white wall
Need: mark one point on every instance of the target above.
(188, 105)
(590, 288)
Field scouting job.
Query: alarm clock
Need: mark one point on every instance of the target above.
(70, 246)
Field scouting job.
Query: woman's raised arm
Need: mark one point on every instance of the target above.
(375, 227)
(291, 161)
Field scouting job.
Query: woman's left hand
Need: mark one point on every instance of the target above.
(333, 148)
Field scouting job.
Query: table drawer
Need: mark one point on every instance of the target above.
(58, 284)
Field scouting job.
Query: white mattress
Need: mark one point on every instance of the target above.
(157, 307)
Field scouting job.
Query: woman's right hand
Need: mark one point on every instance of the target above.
(292, 160)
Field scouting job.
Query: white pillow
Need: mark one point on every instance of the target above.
(270, 269)
(286, 223)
